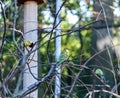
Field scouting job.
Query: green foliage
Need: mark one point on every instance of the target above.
(78, 43)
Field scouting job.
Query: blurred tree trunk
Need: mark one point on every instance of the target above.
(102, 42)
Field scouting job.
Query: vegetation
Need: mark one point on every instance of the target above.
(90, 47)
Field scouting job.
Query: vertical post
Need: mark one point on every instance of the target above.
(30, 23)
(58, 51)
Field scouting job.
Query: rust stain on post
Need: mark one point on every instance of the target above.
(38, 1)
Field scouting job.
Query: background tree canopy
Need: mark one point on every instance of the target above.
(90, 61)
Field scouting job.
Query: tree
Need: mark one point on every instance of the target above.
(77, 69)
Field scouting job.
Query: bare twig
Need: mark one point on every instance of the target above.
(14, 25)
(105, 91)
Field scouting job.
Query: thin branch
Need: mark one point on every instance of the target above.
(54, 26)
(67, 33)
(114, 89)
(35, 85)
(105, 91)
(14, 25)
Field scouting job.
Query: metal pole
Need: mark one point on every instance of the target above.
(30, 23)
(58, 52)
